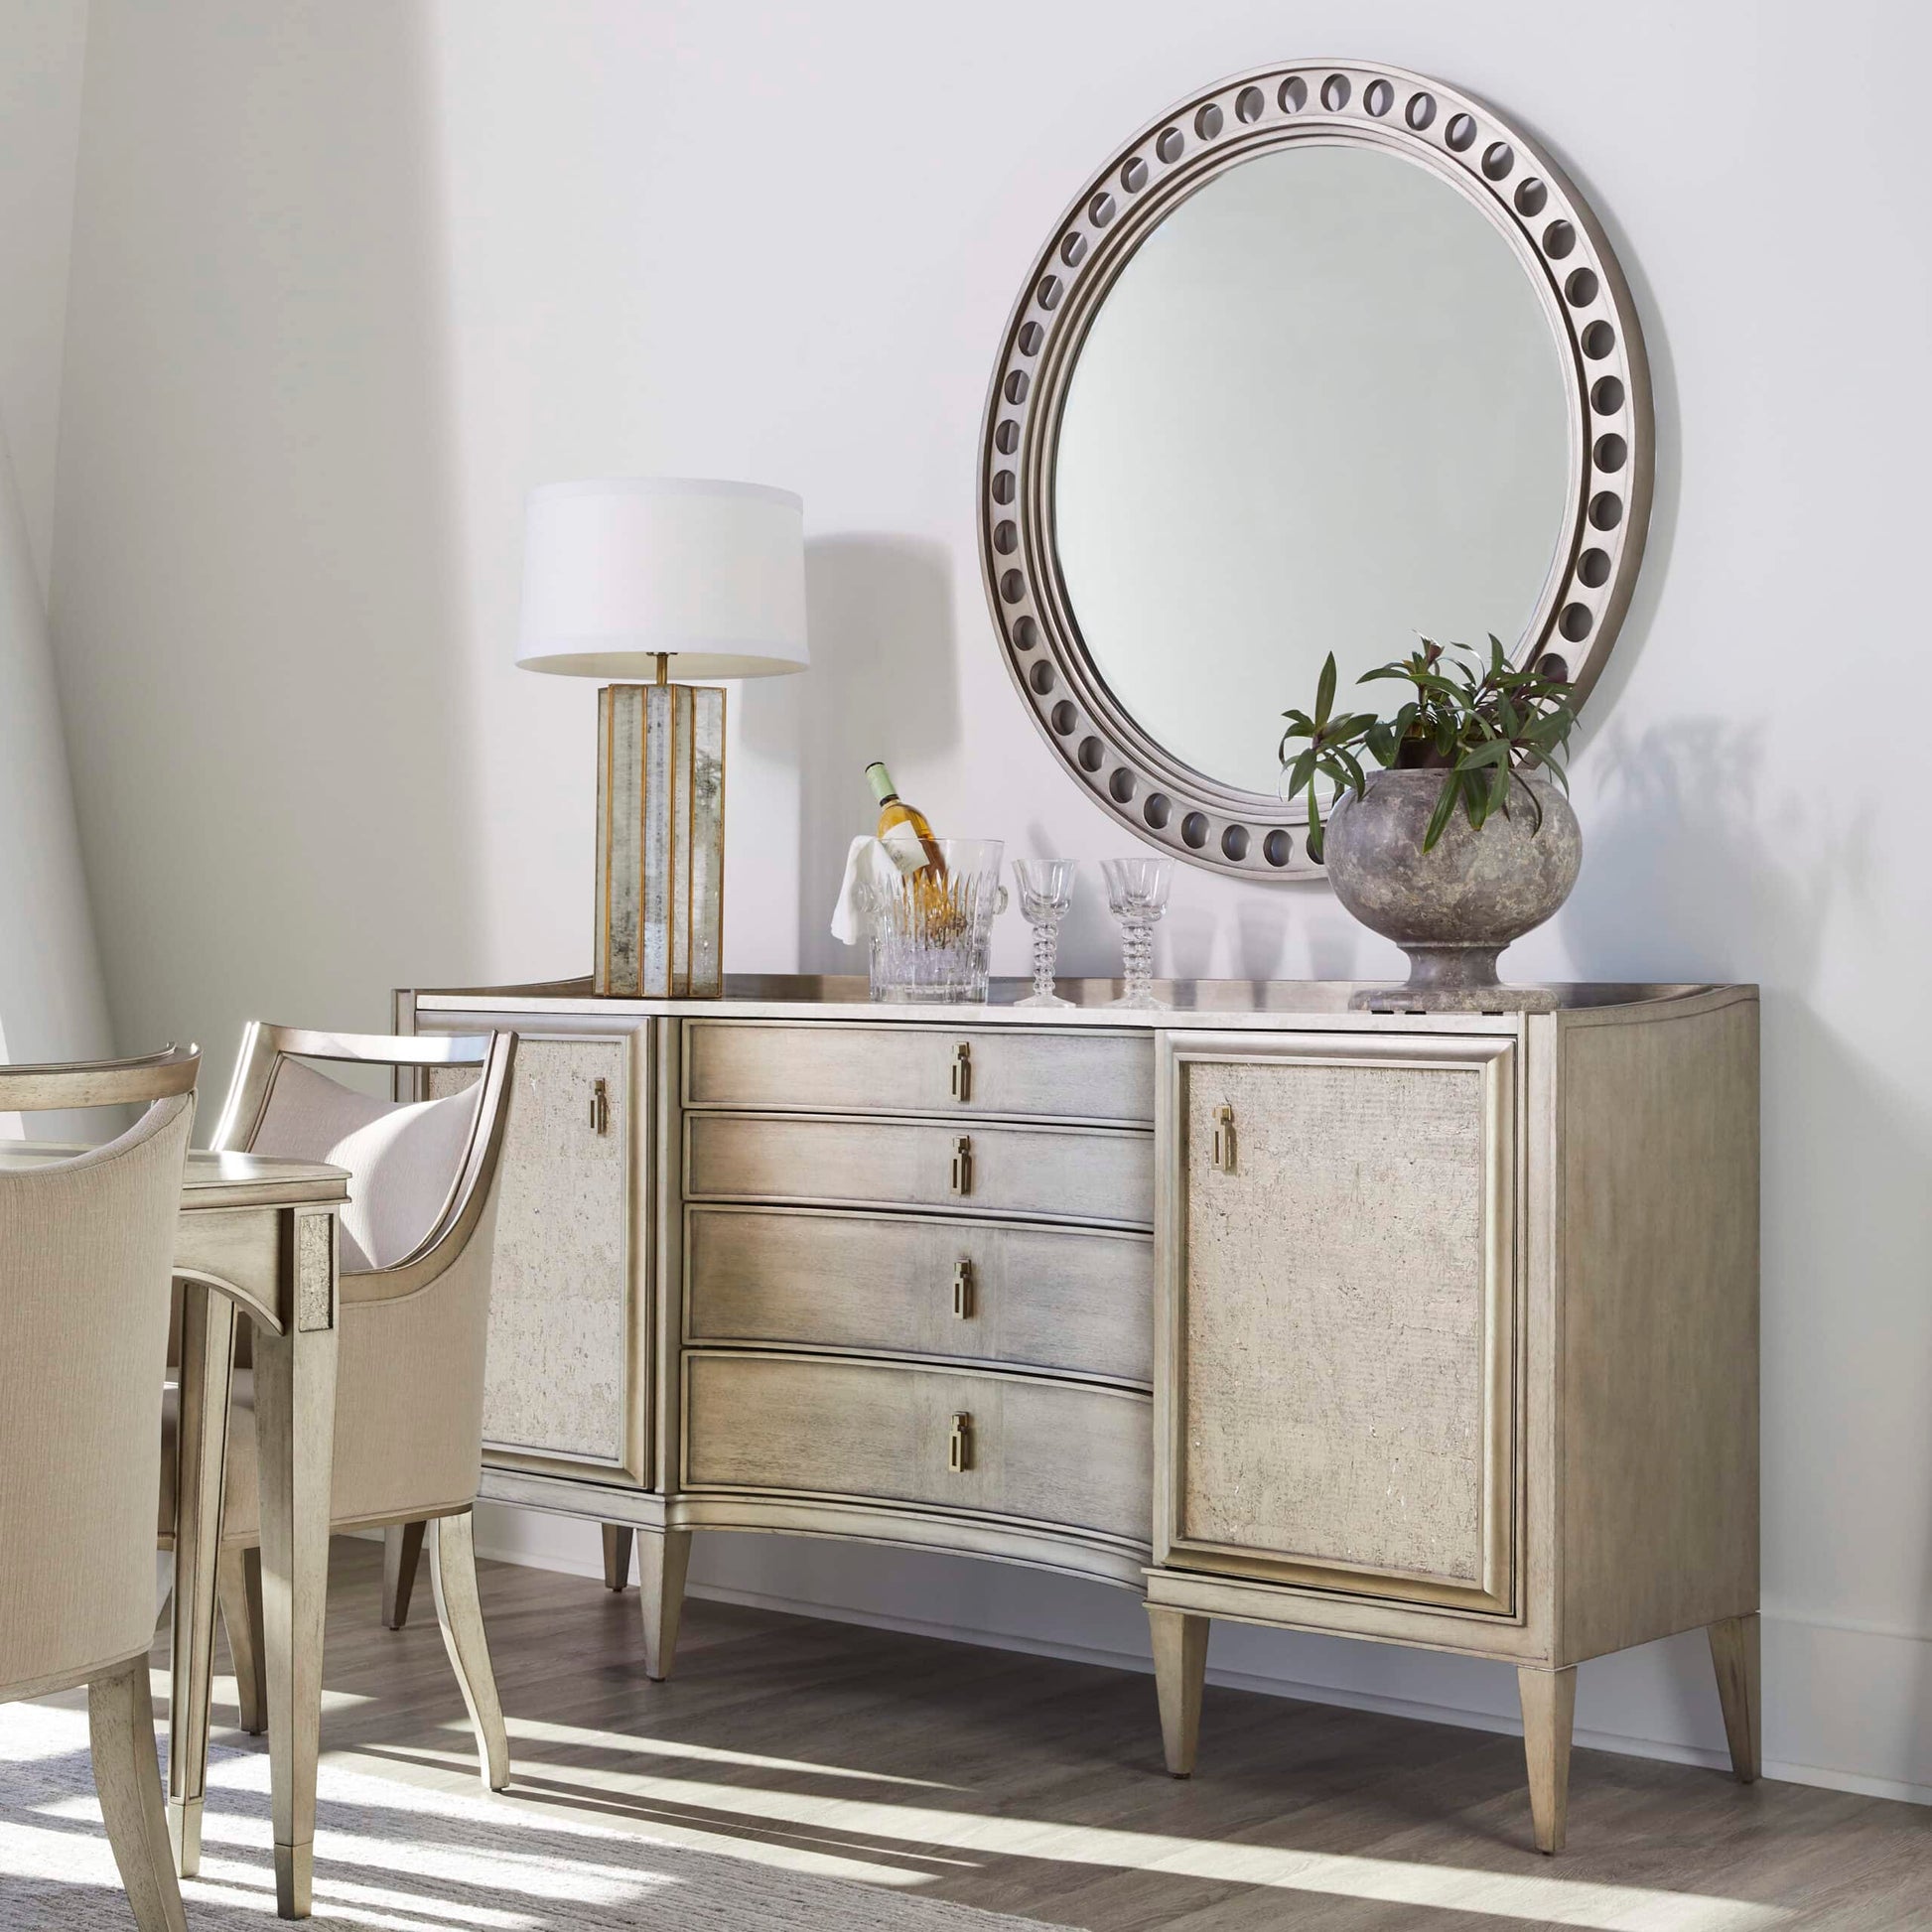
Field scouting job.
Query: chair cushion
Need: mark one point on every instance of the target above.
(404, 1157)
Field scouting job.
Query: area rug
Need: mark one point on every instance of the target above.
(399, 1856)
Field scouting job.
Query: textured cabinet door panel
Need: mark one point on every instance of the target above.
(918, 1069)
(1060, 1173)
(1343, 1337)
(557, 1383)
(1033, 1297)
(1044, 1451)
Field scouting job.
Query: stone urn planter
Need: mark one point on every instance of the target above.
(1453, 909)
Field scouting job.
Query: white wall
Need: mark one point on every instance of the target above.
(350, 278)
(42, 48)
(51, 1001)
(263, 624)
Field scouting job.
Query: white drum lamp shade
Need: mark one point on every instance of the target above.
(632, 582)
(616, 574)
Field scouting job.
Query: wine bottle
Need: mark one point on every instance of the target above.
(902, 829)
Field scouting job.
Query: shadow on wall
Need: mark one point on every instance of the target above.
(1690, 870)
(882, 684)
(1701, 861)
(258, 603)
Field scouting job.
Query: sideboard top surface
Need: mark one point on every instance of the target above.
(1192, 1002)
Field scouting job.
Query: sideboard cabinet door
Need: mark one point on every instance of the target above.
(1338, 1382)
(567, 1384)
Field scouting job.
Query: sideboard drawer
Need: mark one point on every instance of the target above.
(768, 1066)
(1055, 1172)
(1025, 1447)
(1034, 1297)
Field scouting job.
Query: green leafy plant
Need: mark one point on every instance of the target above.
(1482, 725)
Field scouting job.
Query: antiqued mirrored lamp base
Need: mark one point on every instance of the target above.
(660, 841)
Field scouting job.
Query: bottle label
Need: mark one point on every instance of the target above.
(906, 848)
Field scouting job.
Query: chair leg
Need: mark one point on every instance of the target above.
(453, 1576)
(238, 1588)
(616, 1556)
(1179, 1666)
(1735, 1654)
(208, 1324)
(127, 1775)
(663, 1557)
(1548, 1715)
(402, 1549)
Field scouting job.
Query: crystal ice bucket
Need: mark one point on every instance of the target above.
(931, 931)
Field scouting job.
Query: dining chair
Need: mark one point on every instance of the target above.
(414, 1309)
(85, 1245)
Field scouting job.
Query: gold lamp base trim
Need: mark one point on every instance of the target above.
(660, 842)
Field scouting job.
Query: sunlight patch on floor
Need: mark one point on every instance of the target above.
(1537, 1897)
(538, 1732)
(781, 1851)
(223, 1698)
(423, 1850)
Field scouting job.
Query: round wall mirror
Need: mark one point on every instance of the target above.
(1324, 359)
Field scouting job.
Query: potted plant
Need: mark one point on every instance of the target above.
(1464, 840)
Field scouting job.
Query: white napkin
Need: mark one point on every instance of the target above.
(868, 868)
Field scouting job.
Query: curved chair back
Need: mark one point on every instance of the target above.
(416, 1241)
(87, 1246)
(431, 1160)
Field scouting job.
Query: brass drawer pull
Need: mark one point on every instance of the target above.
(962, 1071)
(959, 1446)
(962, 1165)
(962, 1291)
(600, 1107)
(1223, 1154)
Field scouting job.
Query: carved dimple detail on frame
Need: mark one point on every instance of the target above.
(1589, 306)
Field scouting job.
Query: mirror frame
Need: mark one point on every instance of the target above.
(1567, 258)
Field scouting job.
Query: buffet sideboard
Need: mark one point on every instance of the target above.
(1431, 1329)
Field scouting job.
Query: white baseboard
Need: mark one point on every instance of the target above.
(1846, 1707)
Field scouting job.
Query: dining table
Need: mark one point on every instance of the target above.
(256, 1235)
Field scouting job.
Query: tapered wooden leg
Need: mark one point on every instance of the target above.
(1735, 1655)
(1548, 1715)
(295, 1428)
(1180, 1668)
(453, 1576)
(238, 1588)
(402, 1550)
(201, 1460)
(616, 1556)
(127, 1775)
(663, 1557)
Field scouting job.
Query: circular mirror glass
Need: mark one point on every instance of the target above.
(1321, 408)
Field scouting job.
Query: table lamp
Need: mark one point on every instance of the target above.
(619, 579)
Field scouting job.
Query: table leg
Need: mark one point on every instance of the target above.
(295, 1426)
(202, 1454)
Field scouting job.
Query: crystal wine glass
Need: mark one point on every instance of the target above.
(1046, 891)
(1137, 889)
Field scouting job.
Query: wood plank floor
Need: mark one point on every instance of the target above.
(1035, 1788)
